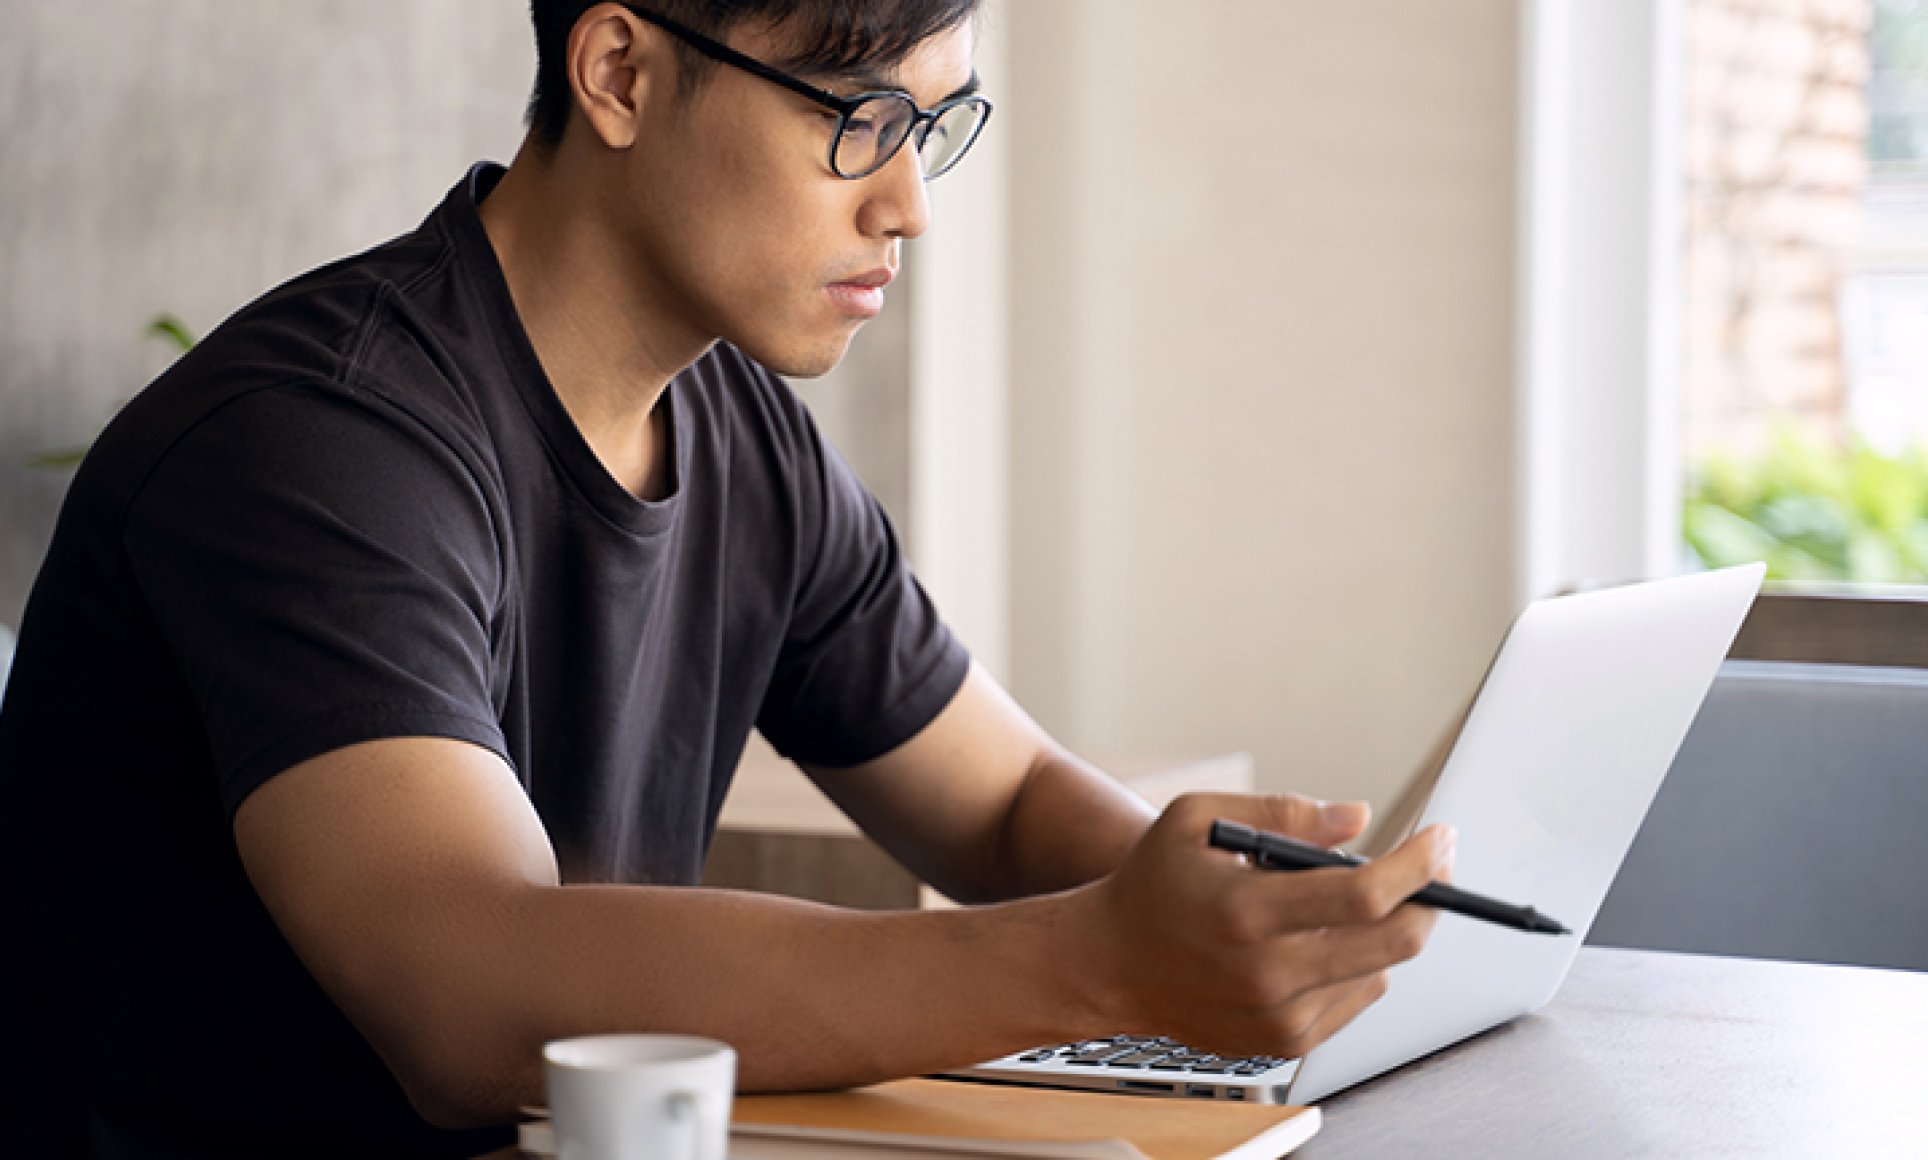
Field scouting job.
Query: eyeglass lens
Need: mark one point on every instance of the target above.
(876, 128)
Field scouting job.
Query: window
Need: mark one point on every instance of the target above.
(1805, 287)
(1885, 299)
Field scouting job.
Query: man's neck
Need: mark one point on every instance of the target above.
(608, 350)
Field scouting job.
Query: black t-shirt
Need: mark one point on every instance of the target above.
(359, 510)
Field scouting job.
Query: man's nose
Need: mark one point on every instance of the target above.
(896, 204)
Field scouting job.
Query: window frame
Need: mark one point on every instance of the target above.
(1599, 296)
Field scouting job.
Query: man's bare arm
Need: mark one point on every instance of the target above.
(985, 806)
(416, 883)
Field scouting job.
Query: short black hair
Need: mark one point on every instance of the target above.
(830, 37)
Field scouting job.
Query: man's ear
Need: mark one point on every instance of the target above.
(613, 61)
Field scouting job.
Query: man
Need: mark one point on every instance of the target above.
(375, 703)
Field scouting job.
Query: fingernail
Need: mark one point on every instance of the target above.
(1339, 813)
(1444, 845)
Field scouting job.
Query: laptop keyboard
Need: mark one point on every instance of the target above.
(1155, 1054)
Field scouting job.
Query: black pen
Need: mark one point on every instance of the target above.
(1278, 852)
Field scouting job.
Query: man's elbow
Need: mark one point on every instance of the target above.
(454, 1105)
(466, 1077)
(457, 1040)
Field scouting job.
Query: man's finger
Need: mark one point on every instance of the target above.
(1339, 953)
(1295, 816)
(1349, 1000)
(1310, 899)
(1291, 1027)
(1320, 823)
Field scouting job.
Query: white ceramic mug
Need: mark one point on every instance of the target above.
(639, 1097)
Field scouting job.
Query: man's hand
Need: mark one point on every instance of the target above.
(1190, 942)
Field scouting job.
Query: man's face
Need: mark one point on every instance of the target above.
(741, 225)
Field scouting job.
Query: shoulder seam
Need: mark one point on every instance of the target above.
(349, 369)
(134, 494)
(388, 405)
(350, 365)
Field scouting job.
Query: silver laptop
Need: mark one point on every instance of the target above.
(1548, 780)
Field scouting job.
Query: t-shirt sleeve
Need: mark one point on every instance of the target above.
(323, 568)
(866, 662)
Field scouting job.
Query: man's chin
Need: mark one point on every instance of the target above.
(803, 360)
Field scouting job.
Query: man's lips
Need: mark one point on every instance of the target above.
(880, 277)
(861, 295)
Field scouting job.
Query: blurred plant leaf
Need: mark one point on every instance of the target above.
(1813, 511)
(60, 460)
(163, 326)
(173, 329)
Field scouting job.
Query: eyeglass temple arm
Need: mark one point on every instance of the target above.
(717, 50)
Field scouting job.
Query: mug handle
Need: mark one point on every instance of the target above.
(686, 1106)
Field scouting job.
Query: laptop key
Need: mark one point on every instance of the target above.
(1154, 1053)
(1094, 1058)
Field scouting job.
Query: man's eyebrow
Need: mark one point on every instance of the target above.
(963, 90)
(870, 82)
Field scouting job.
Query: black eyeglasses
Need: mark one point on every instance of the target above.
(871, 127)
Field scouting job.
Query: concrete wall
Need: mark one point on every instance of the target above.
(187, 156)
(1263, 385)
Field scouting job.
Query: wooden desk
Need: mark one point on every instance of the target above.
(1644, 1053)
(779, 834)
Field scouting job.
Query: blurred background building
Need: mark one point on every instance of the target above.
(1776, 177)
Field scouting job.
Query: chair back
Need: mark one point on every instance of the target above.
(1792, 825)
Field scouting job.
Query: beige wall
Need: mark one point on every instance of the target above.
(1263, 385)
(959, 377)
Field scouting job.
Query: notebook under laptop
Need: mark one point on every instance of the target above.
(1548, 780)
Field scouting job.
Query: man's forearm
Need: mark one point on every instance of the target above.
(1070, 824)
(810, 996)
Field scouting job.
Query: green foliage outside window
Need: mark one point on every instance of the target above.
(1816, 512)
